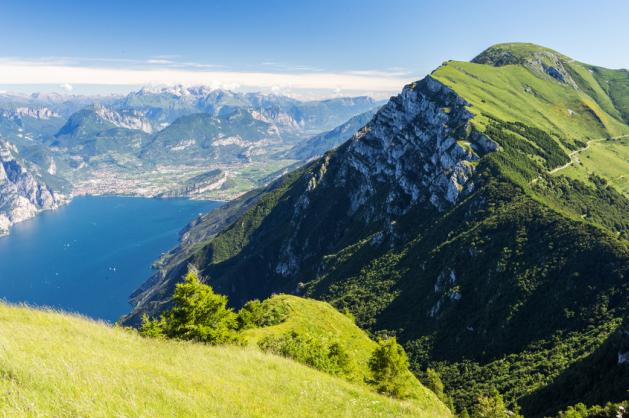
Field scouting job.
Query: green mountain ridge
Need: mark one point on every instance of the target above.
(445, 221)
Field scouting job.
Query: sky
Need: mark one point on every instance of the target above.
(304, 48)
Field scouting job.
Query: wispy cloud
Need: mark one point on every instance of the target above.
(159, 61)
(68, 72)
(66, 87)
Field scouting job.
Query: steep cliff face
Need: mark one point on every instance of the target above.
(418, 150)
(22, 194)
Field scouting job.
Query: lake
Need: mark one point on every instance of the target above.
(91, 254)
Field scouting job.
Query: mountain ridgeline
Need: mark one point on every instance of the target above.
(174, 141)
(469, 218)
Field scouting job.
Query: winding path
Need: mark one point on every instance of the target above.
(573, 155)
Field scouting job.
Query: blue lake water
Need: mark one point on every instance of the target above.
(90, 255)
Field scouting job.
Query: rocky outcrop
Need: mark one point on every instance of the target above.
(129, 119)
(418, 144)
(198, 186)
(419, 149)
(539, 60)
(22, 193)
(41, 113)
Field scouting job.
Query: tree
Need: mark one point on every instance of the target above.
(198, 314)
(493, 406)
(434, 383)
(261, 314)
(389, 368)
(151, 328)
(249, 315)
(311, 350)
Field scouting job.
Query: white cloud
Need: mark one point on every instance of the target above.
(66, 87)
(15, 71)
(159, 61)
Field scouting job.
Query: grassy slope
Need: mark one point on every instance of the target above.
(320, 319)
(616, 84)
(515, 93)
(62, 365)
(609, 159)
(597, 108)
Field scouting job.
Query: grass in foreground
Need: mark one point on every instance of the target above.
(54, 364)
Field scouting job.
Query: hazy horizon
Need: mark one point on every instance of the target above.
(355, 48)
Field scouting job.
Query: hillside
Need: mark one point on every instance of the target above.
(448, 221)
(23, 191)
(321, 320)
(63, 365)
(227, 138)
(323, 142)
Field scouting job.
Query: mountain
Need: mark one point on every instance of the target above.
(90, 368)
(321, 143)
(26, 125)
(197, 185)
(152, 141)
(290, 116)
(228, 137)
(23, 193)
(461, 219)
(49, 105)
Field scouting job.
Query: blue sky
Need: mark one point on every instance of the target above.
(325, 47)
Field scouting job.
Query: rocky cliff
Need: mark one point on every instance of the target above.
(22, 193)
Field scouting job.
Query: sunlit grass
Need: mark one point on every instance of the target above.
(607, 159)
(54, 364)
(513, 92)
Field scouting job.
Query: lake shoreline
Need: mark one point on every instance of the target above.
(89, 255)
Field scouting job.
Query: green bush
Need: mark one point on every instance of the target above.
(433, 381)
(608, 411)
(492, 406)
(198, 314)
(255, 314)
(389, 368)
(307, 349)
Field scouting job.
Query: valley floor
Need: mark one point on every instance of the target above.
(169, 179)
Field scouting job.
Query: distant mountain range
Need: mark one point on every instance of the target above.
(153, 141)
(481, 216)
(323, 142)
